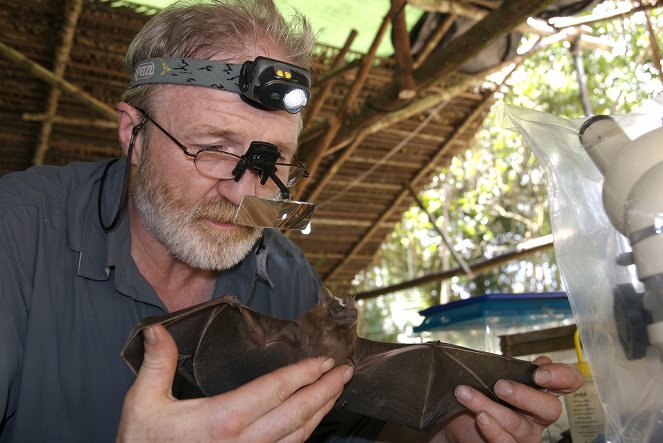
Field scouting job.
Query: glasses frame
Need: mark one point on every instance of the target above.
(240, 158)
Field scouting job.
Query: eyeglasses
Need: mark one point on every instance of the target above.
(222, 164)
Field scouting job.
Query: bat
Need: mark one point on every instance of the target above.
(223, 345)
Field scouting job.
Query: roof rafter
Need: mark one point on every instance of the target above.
(73, 10)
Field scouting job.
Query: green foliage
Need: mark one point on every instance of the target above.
(493, 195)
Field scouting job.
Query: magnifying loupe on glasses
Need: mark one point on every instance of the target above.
(281, 212)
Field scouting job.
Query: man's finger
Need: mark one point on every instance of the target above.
(558, 378)
(156, 373)
(306, 407)
(258, 397)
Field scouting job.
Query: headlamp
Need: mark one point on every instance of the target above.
(275, 84)
(264, 82)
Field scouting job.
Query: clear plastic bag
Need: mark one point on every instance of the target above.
(586, 248)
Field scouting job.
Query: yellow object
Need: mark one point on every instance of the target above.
(582, 364)
(583, 407)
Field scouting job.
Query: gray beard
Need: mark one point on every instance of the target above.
(184, 230)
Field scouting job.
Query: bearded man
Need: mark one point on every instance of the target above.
(88, 250)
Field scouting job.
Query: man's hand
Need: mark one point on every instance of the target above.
(489, 422)
(285, 405)
(535, 409)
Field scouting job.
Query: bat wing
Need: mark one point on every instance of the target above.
(223, 345)
(413, 384)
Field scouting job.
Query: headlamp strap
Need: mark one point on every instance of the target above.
(187, 71)
(264, 82)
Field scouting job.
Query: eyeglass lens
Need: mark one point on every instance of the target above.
(220, 164)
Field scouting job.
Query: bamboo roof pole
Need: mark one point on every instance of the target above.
(450, 7)
(73, 11)
(405, 193)
(401, 41)
(621, 11)
(324, 90)
(526, 248)
(47, 76)
(335, 166)
(581, 76)
(332, 73)
(445, 239)
(655, 52)
(387, 121)
(315, 156)
(70, 121)
(502, 20)
(446, 59)
(382, 121)
(434, 40)
(420, 106)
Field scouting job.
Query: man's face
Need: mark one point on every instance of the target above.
(188, 212)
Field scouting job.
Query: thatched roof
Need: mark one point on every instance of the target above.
(361, 124)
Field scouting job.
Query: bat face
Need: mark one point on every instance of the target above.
(223, 345)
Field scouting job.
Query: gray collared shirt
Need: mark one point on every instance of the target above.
(70, 293)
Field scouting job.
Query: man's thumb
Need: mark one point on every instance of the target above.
(159, 362)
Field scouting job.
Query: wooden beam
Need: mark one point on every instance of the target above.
(73, 11)
(47, 76)
(67, 121)
(400, 199)
(481, 265)
(450, 7)
(446, 59)
(501, 21)
(461, 261)
(333, 73)
(620, 11)
(400, 39)
(315, 156)
(655, 52)
(434, 40)
(581, 75)
(379, 122)
(393, 151)
(324, 90)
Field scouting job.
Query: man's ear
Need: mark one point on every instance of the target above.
(128, 120)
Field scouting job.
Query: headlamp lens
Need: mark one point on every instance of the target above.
(295, 100)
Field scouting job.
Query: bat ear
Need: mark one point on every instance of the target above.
(325, 297)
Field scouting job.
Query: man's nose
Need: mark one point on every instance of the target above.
(234, 190)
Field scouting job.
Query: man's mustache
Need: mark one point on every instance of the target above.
(220, 210)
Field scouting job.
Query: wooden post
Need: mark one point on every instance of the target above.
(317, 153)
(481, 265)
(401, 40)
(461, 261)
(655, 52)
(90, 122)
(74, 8)
(320, 97)
(47, 76)
(434, 40)
(576, 54)
(423, 173)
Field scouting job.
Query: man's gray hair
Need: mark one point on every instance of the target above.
(194, 29)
